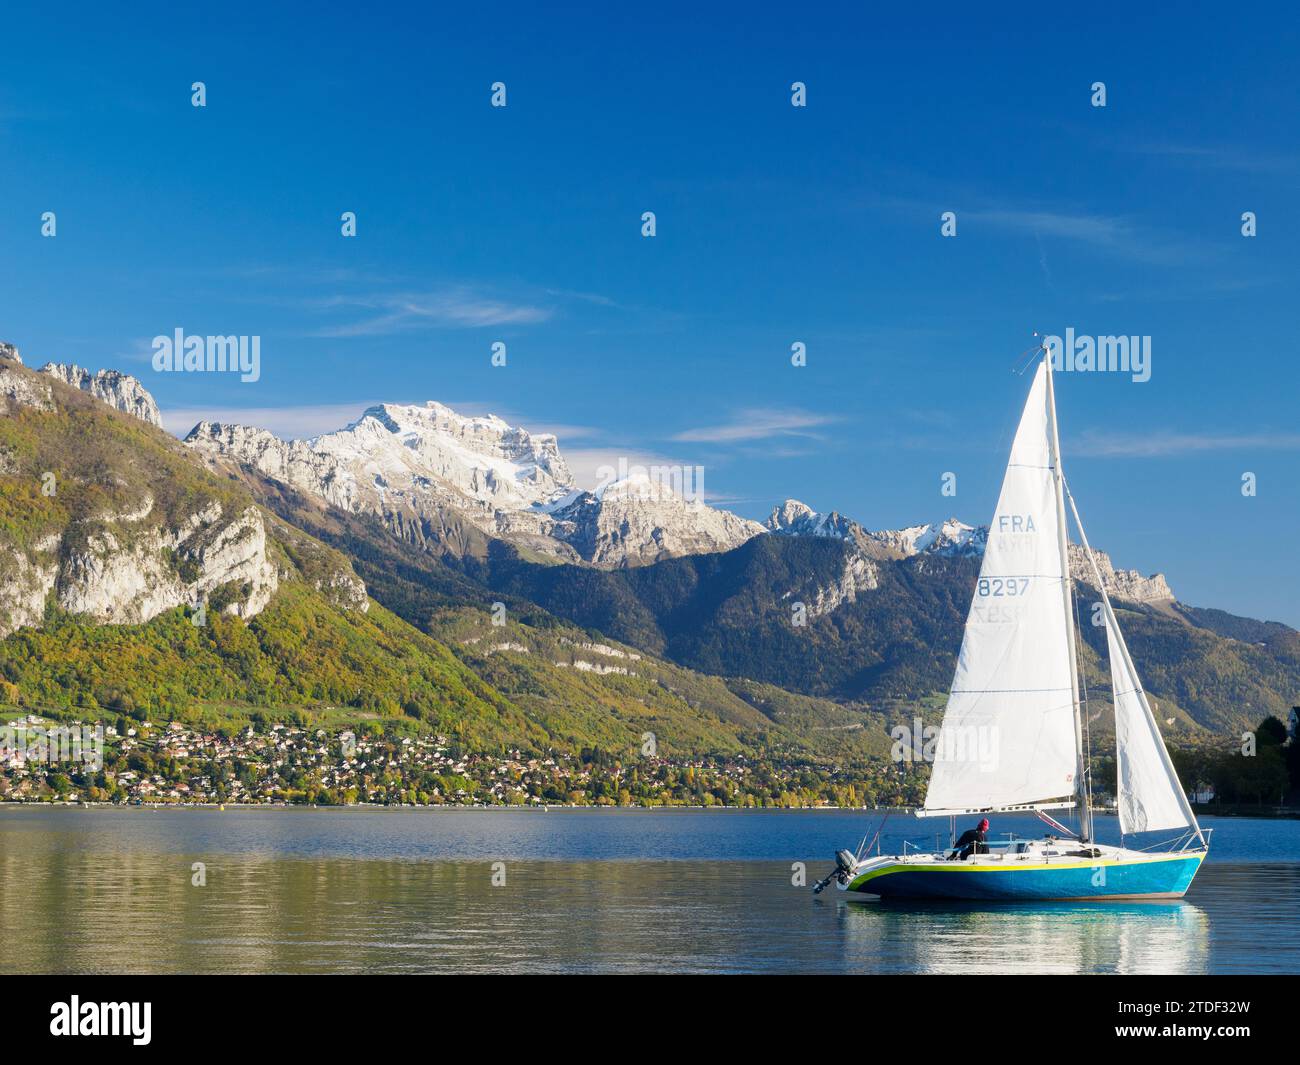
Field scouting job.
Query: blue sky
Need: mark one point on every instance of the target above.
(775, 224)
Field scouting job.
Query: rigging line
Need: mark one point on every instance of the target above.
(1018, 576)
(1087, 730)
(858, 853)
(879, 829)
(1080, 675)
(1032, 351)
(1170, 843)
(1010, 423)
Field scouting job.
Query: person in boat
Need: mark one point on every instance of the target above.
(972, 841)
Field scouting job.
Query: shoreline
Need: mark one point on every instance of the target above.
(1266, 813)
(540, 808)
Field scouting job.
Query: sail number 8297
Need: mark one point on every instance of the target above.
(1002, 587)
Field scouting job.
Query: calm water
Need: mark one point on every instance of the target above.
(323, 891)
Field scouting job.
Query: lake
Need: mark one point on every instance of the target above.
(110, 890)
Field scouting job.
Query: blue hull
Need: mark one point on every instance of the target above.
(1163, 878)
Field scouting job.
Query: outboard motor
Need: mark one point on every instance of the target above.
(845, 864)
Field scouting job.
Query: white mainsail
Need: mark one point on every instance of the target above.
(1008, 735)
(1150, 796)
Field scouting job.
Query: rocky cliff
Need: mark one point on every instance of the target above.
(118, 390)
(105, 517)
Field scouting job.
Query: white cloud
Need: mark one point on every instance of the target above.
(1226, 157)
(457, 307)
(758, 423)
(1102, 444)
(1111, 233)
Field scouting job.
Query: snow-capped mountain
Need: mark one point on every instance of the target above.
(638, 521)
(414, 466)
(793, 518)
(952, 539)
(410, 465)
(949, 538)
(946, 538)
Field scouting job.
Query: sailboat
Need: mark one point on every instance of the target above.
(1012, 738)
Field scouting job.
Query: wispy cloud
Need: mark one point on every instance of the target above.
(582, 297)
(457, 307)
(1226, 157)
(1113, 234)
(759, 423)
(1110, 233)
(1213, 288)
(1102, 444)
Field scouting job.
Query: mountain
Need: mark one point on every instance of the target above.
(954, 539)
(793, 518)
(143, 583)
(948, 538)
(118, 390)
(880, 613)
(814, 615)
(1127, 584)
(577, 681)
(425, 469)
(107, 518)
(435, 478)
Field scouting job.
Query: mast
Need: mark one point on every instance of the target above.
(1067, 600)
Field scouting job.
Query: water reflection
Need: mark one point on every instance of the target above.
(1062, 937)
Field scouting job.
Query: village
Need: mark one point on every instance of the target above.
(178, 763)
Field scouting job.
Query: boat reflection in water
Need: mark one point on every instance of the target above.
(1030, 937)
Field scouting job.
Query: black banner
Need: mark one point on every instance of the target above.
(169, 1014)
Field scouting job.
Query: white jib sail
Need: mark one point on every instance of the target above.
(1150, 796)
(1008, 731)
